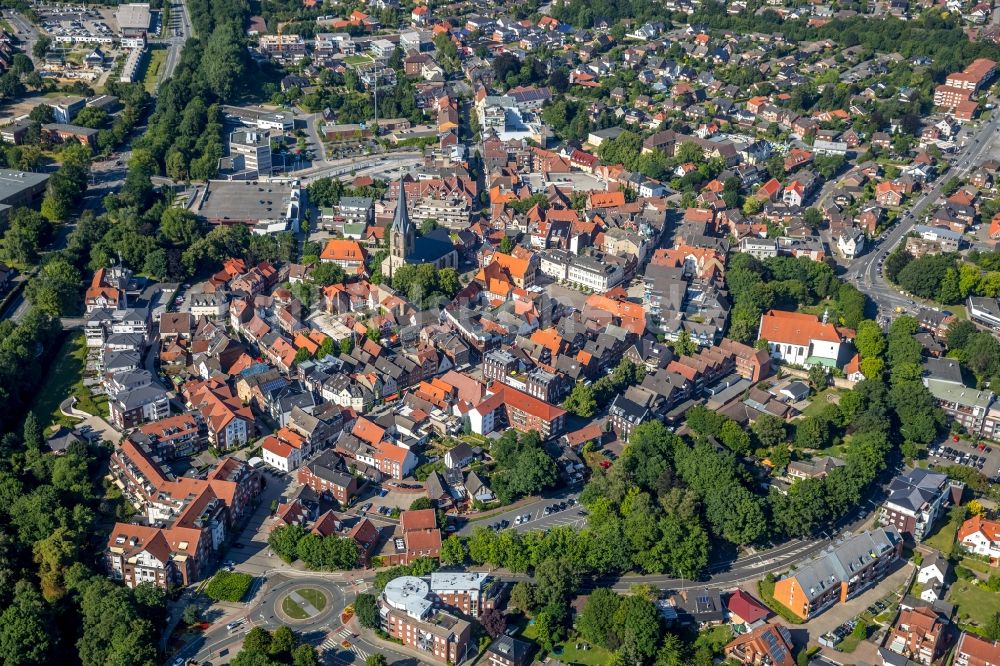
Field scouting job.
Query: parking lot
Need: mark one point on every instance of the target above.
(983, 457)
(538, 518)
(554, 514)
(68, 25)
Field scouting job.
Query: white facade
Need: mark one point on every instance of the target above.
(276, 458)
(481, 424)
(978, 543)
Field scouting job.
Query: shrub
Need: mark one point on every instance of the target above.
(228, 586)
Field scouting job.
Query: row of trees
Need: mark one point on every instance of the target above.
(942, 277)
(280, 647)
(184, 138)
(786, 283)
(292, 542)
(584, 398)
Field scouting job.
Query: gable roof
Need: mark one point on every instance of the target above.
(796, 328)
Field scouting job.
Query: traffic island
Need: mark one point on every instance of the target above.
(304, 603)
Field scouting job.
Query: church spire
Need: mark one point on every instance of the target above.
(401, 223)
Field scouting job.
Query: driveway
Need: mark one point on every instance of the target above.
(96, 423)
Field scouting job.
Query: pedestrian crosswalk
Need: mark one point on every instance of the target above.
(334, 643)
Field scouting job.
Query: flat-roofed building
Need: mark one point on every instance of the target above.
(250, 151)
(133, 24)
(407, 610)
(22, 188)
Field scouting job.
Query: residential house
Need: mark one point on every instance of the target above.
(916, 500)
(840, 572)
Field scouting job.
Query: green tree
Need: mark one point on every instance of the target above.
(735, 437)
(452, 551)
(550, 625)
(522, 596)
(282, 643)
(376, 659)
(179, 226)
(684, 345)
(366, 608)
(596, 621)
(24, 627)
(191, 614)
(304, 655)
(55, 289)
(555, 580)
(769, 430)
(257, 640)
(581, 400)
(869, 340)
(26, 233)
(637, 628)
(818, 378)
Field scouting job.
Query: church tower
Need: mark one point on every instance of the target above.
(402, 234)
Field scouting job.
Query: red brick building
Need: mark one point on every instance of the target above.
(328, 474)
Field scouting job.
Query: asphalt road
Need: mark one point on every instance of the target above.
(179, 21)
(25, 32)
(866, 273)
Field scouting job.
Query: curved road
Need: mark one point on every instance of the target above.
(323, 630)
(866, 273)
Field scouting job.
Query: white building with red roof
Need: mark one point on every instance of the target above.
(981, 537)
(971, 650)
(280, 455)
(803, 339)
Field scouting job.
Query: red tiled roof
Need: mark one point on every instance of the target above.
(746, 607)
(421, 519)
(795, 328)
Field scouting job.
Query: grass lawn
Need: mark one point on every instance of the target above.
(715, 638)
(974, 604)
(976, 565)
(154, 67)
(821, 400)
(944, 536)
(293, 610)
(357, 60)
(315, 597)
(568, 653)
(65, 378)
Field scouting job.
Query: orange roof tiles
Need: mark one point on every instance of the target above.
(367, 431)
(421, 519)
(795, 328)
(339, 249)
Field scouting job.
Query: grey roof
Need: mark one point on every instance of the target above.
(401, 222)
(142, 395)
(13, 183)
(430, 247)
(916, 489)
(435, 486)
(943, 370)
(839, 562)
(510, 649)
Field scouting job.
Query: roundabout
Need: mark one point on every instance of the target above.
(304, 603)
